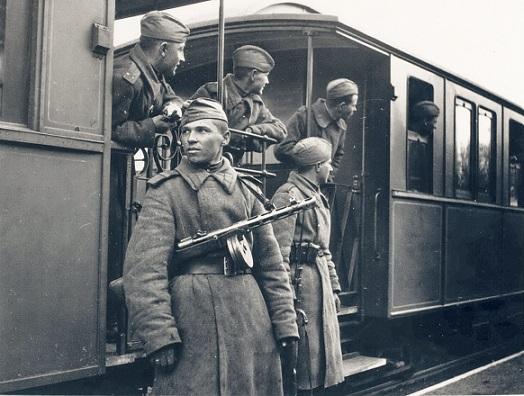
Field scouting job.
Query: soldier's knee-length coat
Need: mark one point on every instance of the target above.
(320, 355)
(226, 327)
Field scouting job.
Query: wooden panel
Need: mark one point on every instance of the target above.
(50, 230)
(473, 254)
(74, 76)
(416, 252)
(452, 91)
(512, 270)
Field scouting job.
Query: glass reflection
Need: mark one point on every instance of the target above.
(462, 151)
(485, 154)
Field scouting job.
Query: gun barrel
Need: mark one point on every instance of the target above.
(245, 225)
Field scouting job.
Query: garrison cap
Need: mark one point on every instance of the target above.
(254, 57)
(340, 88)
(310, 151)
(163, 26)
(425, 109)
(203, 109)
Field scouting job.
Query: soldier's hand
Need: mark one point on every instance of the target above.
(172, 110)
(165, 358)
(337, 301)
(161, 123)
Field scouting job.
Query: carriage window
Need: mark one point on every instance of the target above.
(15, 19)
(420, 143)
(463, 123)
(516, 164)
(486, 155)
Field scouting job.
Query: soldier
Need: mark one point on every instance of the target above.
(140, 94)
(304, 243)
(206, 333)
(140, 90)
(329, 118)
(424, 117)
(243, 102)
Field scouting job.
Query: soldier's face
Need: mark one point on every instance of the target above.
(259, 81)
(324, 171)
(347, 109)
(202, 141)
(172, 56)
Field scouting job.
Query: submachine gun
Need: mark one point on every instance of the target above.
(232, 238)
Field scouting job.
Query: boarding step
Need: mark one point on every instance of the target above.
(347, 310)
(354, 363)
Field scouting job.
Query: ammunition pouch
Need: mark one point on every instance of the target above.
(305, 253)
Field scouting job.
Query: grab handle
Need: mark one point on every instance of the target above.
(375, 224)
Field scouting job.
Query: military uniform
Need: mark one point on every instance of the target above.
(323, 126)
(138, 95)
(226, 333)
(246, 109)
(319, 353)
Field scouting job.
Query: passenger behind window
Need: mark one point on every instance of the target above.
(420, 146)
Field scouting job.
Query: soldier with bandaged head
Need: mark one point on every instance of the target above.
(304, 243)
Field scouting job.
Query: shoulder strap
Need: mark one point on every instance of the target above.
(132, 73)
(157, 180)
(258, 194)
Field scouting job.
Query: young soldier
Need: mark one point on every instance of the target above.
(329, 118)
(420, 146)
(304, 243)
(206, 333)
(243, 100)
(140, 93)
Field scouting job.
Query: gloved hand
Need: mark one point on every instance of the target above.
(165, 358)
(288, 356)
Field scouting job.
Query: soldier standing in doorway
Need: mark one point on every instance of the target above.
(329, 117)
(243, 102)
(141, 99)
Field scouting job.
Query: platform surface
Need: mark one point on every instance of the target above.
(501, 377)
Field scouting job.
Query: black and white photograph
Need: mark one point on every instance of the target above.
(263, 198)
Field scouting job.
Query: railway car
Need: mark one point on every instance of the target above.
(414, 261)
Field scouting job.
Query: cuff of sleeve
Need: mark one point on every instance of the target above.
(160, 340)
(149, 136)
(286, 330)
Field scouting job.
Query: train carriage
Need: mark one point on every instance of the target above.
(402, 251)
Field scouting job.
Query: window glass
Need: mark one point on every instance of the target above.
(516, 161)
(486, 155)
(420, 144)
(463, 118)
(15, 31)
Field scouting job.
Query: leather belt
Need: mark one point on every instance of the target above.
(213, 265)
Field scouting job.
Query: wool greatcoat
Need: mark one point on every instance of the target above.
(319, 351)
(323, 126)
(244, 110)
(226, 327)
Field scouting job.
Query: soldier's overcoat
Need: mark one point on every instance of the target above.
(244, 110)
(139, 94)
(320, 355)
(323, 126)
(226, 326)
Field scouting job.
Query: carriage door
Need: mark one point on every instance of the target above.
(54, 155)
